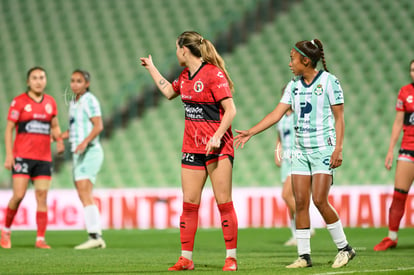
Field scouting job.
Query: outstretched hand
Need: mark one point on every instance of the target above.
(242, 137)
(146, 62)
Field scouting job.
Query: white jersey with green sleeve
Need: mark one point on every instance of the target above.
(80, 113)
(314, 121)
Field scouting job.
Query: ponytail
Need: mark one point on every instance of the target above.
(204, 49)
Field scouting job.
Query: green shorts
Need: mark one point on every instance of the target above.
(88, 164)
(312, 163)
(286, 169)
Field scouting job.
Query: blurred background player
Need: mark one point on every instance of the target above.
(206, 91)
(34, 115)
(316, 98)
(283, 153)
(404, 173)
(85, 125)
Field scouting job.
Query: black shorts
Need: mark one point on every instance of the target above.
(406, 155)
(200, 161)
(32, 169)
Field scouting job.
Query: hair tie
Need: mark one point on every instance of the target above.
(201, 40)
(313, 43)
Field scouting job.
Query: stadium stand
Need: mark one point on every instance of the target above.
(367, 44)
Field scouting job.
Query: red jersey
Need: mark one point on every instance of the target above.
(201, 95)
(405, 103)
(33, 124)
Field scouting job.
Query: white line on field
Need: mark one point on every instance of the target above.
(368, 271)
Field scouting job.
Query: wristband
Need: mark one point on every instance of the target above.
(59, 139)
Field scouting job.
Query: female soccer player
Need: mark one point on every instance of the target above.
(34, 115)
(206, 91)
(283, 159)
(404, 173)
(316, 98)
(84, 128)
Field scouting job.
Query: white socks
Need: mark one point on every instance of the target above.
(187, 254)
(92, 219)
(393, 235)
(337, 234)
(303, 239)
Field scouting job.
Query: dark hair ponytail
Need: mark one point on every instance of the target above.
(312, 50)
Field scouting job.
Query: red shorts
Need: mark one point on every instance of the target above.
(200, 161)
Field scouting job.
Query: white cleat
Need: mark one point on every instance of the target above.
(301, 262)
(291, 242)
(343, 257)
(92, 243)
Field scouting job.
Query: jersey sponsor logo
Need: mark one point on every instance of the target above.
(409, 118)
(197, 111)
(48, 108)
(222, 85)
(198, 86)
(220, 74)
(306, 92)
(410, 99)
(305, 108)
(193, 112)
(14, 114)
(318, 90)
(39, 116)
(339, 97)
(36, 127)
(28, 108)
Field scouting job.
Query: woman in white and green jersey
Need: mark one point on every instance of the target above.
(84, 128)
(316, 98)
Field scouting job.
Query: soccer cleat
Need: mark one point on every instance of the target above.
(182, 264)
(291, 242)
(5, 241)
(92, 243)
(42, 244)
(230, 264)
(385, 244)
(301, 262)
(343, 257)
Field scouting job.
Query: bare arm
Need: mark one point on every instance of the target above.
(338, 112)
(56, 135)
(227, 119)
(395, 134)
(8, 142)
(278, 152)
(163, 85)
(96, 130)
(269, 120)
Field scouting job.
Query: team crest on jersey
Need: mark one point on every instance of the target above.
(318, 90)
(410, 99)
(198, 86)
(28, 108)
(48, 108)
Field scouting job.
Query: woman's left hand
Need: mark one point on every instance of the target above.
(336, 159)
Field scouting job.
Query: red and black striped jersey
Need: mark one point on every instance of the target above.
(405, 103)
(201, 95)
(33, 125)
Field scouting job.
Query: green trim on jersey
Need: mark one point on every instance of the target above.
(314, 121)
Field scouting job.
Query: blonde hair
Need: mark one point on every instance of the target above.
(203, 48)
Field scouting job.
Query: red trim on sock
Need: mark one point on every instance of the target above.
(188, 225)
(41, 221)
(10, 214)
(396, 211)
(229, 224)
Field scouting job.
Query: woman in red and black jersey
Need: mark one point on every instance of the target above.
(206, 91)
(33, 115)
(404, 173)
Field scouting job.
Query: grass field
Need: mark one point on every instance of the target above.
(260, 251)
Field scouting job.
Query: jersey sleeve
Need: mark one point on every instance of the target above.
(176, 85)
(287, 94)
(14, 111)
(93, 108)
(220, 86)
(400, 101)
(335, 92)
(55, 109)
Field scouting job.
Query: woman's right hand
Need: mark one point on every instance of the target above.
(388, 160)
(242, 137)
(146, 62)
(9, 162)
